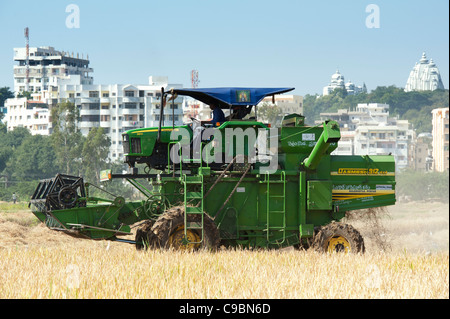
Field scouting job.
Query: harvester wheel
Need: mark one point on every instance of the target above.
(169, 229)
(145, 238)
(338, 237)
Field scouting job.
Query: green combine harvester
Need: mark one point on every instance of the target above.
(236, 183)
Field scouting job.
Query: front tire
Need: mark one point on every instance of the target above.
(169, 229)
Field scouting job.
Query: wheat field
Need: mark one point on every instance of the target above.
(412, 262)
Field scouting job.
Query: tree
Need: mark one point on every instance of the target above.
(9, 142)
(5, 93)
(66, 137)
(26, 94)
(33, 159)
(269, 113)
(95, 152)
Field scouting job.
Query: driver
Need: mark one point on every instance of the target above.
(218, 116)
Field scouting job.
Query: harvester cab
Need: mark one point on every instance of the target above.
(152, 146)
(240, 183)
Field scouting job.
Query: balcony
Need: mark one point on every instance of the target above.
(86, 124)
(134, 124)
(131, 111)
(131, 99)
(91, 112)
(90, 100)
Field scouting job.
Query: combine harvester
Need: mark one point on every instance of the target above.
(240, 183)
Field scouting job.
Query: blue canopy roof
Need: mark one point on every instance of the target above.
(226, 97)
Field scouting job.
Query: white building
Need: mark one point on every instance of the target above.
(122, 107)
(338, 82)
(424, 76)
(33, 115)
(45, 63)
(384, 140)
(440, 142)
(370, 131)
(115, 107)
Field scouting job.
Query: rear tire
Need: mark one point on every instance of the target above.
(169, 231)
(338, 237)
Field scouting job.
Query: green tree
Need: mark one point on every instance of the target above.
(34, 159)
(9, 142)
(26, 94)
(66, 137)
(269, 113)
(5, 93)
(95, 153)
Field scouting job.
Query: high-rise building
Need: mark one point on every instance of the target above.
(45, 63)
(424, 76)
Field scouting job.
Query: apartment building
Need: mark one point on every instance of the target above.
(121, 107)
(45, 63)
(440, 139)
(33, 115)
(115, 107)
(369, 130)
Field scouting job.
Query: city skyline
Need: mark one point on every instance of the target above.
(234, 43)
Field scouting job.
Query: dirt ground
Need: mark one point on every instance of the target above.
(413, 227)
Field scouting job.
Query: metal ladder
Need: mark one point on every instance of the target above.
(276, 213)
(190, 182)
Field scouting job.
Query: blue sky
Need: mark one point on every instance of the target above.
(236, 43)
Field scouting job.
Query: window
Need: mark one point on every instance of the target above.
(129, 93)
(93, 94)
(105, 94)
(90, 118)
(130, 105)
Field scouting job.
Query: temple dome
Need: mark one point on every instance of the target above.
(424, 76)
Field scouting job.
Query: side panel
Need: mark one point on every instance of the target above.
(361, 182)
